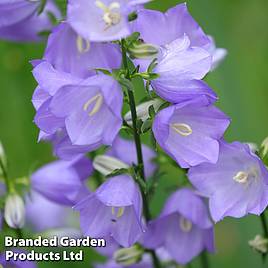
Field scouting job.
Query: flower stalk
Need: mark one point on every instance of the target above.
(137, 140)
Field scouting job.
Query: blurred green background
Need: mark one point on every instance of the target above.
(241, 82)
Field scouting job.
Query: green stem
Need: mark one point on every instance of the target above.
(204, 259)
(8, 183)
(138, 145)
(264, 225)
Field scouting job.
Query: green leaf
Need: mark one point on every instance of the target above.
(104, 71)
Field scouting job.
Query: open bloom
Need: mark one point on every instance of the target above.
(20, 21)
(180, 69)
(56, 70)
(179, 22)
(236, 185)
(190, 132)
(183, 229)
(99, 20)
(114, 209)
(62, 181)
(186, 55)
(125, 151)
(91, 110)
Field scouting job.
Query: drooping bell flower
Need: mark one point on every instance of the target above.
(2, 192)
(92, 115)
(179, 22)
(63, 181)
(126, 151)
(190, 132)
(99, 20)
(236, 185)
(20, 21)
(115, 209)
(180, 69)
(183, 229)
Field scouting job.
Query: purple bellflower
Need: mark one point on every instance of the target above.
(190, 131)
(92, 115)
(101, 20)
(184, 228)
(63, 181)
(236, 185)
(20, 21)
(186, 53)
(125, 151)
(115, 209)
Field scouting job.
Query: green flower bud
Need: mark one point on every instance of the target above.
(128, 256)
(143, 51)
(3, 159)
(264, 151)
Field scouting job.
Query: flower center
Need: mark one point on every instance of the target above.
(118, 212)
(185, 225)
(111, 14)
(182, 129)
(97, 100)
(82, 45)
(241, 177)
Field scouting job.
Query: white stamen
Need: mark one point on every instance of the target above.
(82, 45)
(182, 129)
(185, 225)
(120, 212)
(241, 177)
(98, 99)
(111, 13)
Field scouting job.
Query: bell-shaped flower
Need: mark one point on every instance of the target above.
(180, 69)
(99, 20)
(190, 132)
(63, 181)
(183, 229)
(236, 185)
(125, 151)
(91, 110)
(115, 209)
(179, 22)
(20, 21)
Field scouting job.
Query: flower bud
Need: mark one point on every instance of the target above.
(143, 110)
(107, 164)
(128, 256)
(143, 51)
(14, 211)
(264, 151)
(259, 244)
(2, 159)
